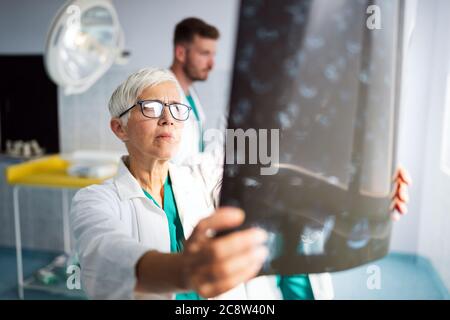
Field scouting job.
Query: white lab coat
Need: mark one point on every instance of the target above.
(114, 224)
(189, 148)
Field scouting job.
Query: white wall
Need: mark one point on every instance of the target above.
(24, 25)
(413, 113)
(426, 230)
(435, 206)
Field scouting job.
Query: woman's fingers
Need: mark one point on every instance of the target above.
(223, 219)
(400, 195)
(395, 216)
(219, 270)
(235, 243)
(254, 256)
(397, 210)
(402, 192)
(402, 175)
(217, 264)
(212, 290)
(220, 249)
(399, 206)
(222, 277)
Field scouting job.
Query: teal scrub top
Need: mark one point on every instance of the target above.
(175, 229)
(296, 287)
(197, 116)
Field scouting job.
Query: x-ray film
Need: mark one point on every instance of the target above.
(311, 129)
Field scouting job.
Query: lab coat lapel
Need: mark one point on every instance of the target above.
(127, 186)
(198, 105)
(180, 90)
(191, 199)
(181, 191)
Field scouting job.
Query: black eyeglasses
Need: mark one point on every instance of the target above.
(154, 109)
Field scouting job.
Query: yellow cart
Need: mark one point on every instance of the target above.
(46, 172)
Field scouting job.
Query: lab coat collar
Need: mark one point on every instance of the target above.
(193, 94)
(128, 187)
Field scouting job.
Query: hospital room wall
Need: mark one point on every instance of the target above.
(84, 118)
(434, 236)
(423, 104)
(413, 111)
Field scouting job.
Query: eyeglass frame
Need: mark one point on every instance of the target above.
(141, 102)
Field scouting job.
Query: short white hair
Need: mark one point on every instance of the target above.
(128, 92)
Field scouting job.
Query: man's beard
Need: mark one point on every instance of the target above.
(192, 73)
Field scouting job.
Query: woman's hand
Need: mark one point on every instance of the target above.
(215, 265)
(400, 196)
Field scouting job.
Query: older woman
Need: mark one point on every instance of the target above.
(130, 231)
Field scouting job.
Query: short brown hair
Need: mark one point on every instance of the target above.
(186, 29)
